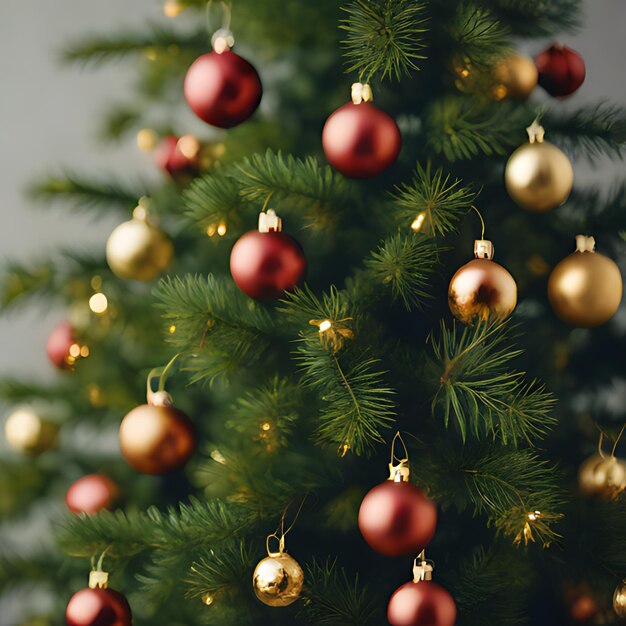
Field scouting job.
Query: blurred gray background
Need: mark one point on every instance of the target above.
(49, 115)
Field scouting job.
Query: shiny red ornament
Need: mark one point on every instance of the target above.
(58, 345)
(422, 603)
(265, 263)
(169, 158)
(561, 70)
(361, 140)
(396, 518)
(222, 88)
(91, 493)
(98, 607)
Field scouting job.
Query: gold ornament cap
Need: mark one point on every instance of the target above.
(269, 222)
(422, 568)
(98, 579)
(483, 249)
(585, 243)
(361, 92)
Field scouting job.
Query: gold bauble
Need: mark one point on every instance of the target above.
(515, 77)
(619, 599)
(278, 579)
(482, 289)
(156, 439)
(538, 176)
(605, 477)
(585, 288)
(137, 250)
(28, 433)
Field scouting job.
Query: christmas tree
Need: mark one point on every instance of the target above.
(336, 402)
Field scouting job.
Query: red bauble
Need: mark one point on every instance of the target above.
(265, 265)
(169, 158)
(421, 603)
(396, 518)
(223, 89)
(561, 70)
(361, 140)
(91, 494)
(98, 607)
(60, 340)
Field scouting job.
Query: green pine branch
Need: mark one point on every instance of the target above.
(538, 19)
(591, 131)
(476, 34)
(404, 264)
(461, 127)
(441, 200)
(477, 390)
(157, 39)
(357, 404)
(384, 37)
(81, 194)
(214, 322)
(333, 598)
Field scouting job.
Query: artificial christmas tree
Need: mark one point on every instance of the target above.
(295, 384)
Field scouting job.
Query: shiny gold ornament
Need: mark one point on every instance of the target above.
(619, 599)
(137, 250)
(585, 288)
(515, 77)
(538, 176)
(156, 438)
(482, 289)
(28, 433)
(278, 579)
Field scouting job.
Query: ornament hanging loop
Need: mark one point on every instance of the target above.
(398, 467)
(223, 38)
(160, 397)
(280, 532)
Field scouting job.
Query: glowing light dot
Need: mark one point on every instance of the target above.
(96, 283)
(207, 599)
(172, 329)
(211, 230)
(74, 350)
(221, 229)
(418, 222)
(98, 303)
(266, 426)
(533, 516)
(189, 146)
(172, 8)
(152, 55)
(146, 139)
(325, 325)
(84, 351)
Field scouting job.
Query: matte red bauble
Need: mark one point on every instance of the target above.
(98, 607)
(422, 603)
(91, 493)
(396, 518)
(361, 140)
(265, 263)
(177, 162)
(223, 89)
(561, 70)
(58, 345)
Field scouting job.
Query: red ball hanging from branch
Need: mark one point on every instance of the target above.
(97, 605)
(221, 87)
(561, 70)
(265, 263)
(395, 517)
(62, 347)
(178, 157)
(91, 493)
(359, 139)
(421, 602)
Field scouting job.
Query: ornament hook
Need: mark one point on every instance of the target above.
(398, 467)
(160, 397)
(223, 38)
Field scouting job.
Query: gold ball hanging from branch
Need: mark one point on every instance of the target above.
(538, 175)
(515, 77)
(482, 289)
(28, 433)
(137, 250)
(619, 599)
(585, 288)
(602, 476)
(278, 579)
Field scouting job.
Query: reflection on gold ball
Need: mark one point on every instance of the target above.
(28, 433)
(156, 439)
(515, 77)
(539, 176)
(585, 289)
(619, 599)
(136, 250)
(278, 580)
(482, 289)
(605, 477)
